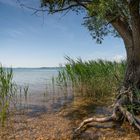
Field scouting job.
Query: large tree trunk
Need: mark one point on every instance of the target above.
(133, 53)
(132, 75)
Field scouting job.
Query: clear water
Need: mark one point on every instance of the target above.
(42, 96)
(36, 78)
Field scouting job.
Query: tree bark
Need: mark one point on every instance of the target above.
(132, 75)
(135, 25)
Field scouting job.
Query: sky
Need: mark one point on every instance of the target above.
(28, 40)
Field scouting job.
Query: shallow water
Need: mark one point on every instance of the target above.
(36, 78)
(43, 95)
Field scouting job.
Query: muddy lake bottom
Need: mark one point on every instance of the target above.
(58, 120)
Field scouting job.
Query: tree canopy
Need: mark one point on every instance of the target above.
(101, 14)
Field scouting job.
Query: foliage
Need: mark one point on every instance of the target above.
(99, 28)
(7, 92)
(93, 78)
(99, 14)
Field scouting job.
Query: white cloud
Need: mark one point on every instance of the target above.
(118, 58)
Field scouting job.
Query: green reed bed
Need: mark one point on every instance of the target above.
(8, 91)
(92, 78)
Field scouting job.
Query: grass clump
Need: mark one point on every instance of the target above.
(7, 92)
(92, 78)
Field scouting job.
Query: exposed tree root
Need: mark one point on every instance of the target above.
(130, 117)
(89, 125)
(123, 109)
(90, 120)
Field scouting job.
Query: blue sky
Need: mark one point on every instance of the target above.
(28, 40)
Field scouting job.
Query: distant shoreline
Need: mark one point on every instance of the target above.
(34, 67)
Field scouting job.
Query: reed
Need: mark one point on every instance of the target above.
(8, 91)
(92, 78)
(25, 91)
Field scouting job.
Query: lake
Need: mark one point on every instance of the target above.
(36, 78)
(43, 95)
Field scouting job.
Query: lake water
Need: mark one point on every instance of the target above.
(42, 94)
(36, 78)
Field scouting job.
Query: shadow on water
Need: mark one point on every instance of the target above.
(33, 110)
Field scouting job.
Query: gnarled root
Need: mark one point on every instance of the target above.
(120, 112)
(88, 122)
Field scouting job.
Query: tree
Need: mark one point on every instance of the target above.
(119, 18)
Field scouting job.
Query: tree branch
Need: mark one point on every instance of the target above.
(83, 4)
(65, 8)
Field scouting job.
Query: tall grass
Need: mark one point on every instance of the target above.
(7, 92)
(92, 78)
